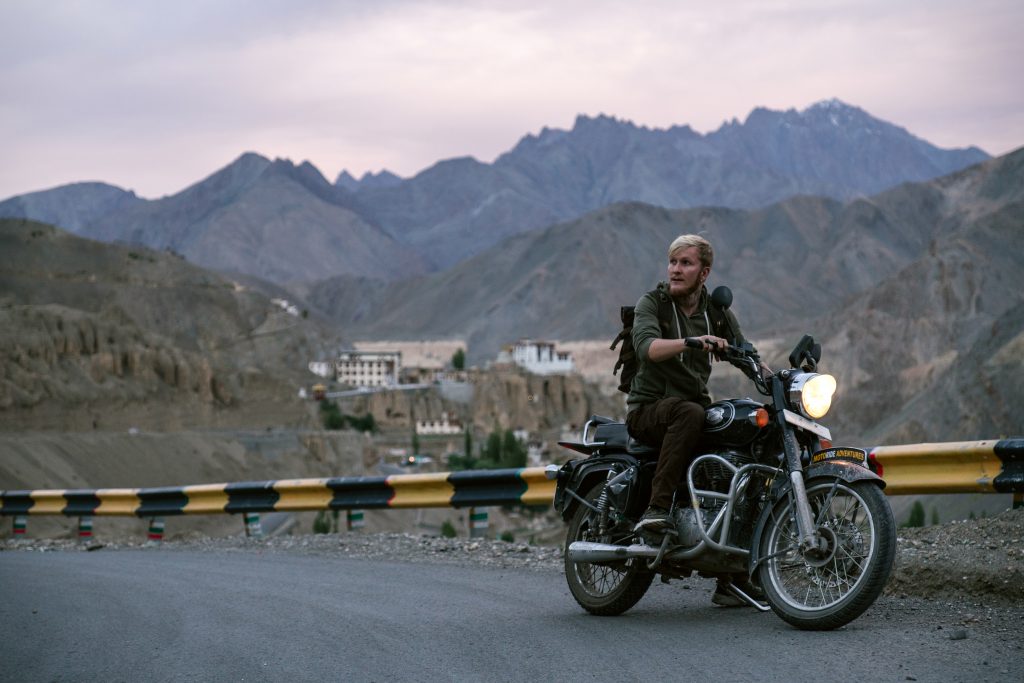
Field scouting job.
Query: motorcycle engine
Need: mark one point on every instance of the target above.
(714, 476)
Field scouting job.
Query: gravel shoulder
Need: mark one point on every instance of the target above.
(977, 560)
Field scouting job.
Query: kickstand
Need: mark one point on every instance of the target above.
(735, 590)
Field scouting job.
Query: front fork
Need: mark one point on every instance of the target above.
(810, 541)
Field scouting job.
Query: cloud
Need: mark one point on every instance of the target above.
(156, 96)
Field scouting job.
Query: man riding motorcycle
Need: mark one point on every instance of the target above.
(668, 395)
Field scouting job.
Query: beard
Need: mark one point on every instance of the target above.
(685, 293)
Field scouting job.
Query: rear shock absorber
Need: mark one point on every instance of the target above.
(602, 506)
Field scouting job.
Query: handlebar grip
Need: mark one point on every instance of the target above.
(694, 343)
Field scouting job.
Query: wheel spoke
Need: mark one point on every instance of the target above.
(808, 585)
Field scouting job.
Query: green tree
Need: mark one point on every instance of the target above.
(459, 359)
(468, 444)
(415, 442)
(331, 415)
(458, 462)
(491, 456)
(513, 453)
(916, 518)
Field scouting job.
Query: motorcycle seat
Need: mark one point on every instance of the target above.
(641, 451)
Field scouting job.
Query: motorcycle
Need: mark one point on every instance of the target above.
(774, 506)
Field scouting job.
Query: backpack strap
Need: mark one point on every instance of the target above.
(720, 323)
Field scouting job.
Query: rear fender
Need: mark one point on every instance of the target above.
(582, 477)
(825, 471)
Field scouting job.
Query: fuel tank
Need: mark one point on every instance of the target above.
(730, 422)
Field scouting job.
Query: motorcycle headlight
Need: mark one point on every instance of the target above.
(811, 394)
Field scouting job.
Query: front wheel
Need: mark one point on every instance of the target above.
(605, 589)
(835, 587)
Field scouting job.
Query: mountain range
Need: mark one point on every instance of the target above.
(286, 223)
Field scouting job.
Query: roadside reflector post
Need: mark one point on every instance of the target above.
(1018, 500)
(156, 531)
(253, 529)
(354, 520)
(84, 529)
(477, 522)
(20, 523)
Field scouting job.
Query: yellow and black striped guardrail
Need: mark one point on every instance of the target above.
(994, 466)
(479, 488)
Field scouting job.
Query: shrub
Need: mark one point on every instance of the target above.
(507, 536)
(916, 518)
(322, 523)
(448, 529)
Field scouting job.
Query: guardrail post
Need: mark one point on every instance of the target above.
(156, 531)
(477, 522)
(84, 529)
(253, 529)
(20, 524)
(354, 520)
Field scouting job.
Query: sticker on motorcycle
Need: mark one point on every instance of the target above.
(849, 454)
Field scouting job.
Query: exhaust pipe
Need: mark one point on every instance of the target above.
(585, 551)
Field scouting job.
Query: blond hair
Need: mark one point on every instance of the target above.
(704, 250)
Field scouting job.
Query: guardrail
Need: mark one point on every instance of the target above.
(994, 466)
(473, 488)
(961, 467)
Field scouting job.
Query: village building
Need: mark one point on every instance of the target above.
(368, 369)
(422, 361)
(538, 357)
(443, 426)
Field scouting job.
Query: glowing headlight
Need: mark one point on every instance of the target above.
(811, 394)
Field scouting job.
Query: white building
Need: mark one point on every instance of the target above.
(422, 361)
(443, 426)
(365, 369)
(538, 357)
(322, 368)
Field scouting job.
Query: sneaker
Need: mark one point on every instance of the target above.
(654, 519)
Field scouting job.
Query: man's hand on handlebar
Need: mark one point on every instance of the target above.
(709, 342)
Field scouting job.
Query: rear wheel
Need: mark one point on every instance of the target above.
(605, 589)
(836, 586)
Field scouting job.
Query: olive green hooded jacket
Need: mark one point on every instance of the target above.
(685, 375)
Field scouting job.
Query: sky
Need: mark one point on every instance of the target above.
(155, 96)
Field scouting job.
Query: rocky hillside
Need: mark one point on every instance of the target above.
(98, 336)
(934, 351)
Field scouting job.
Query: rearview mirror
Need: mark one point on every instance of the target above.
(721, 297)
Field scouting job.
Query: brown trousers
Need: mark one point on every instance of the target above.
(673, 425)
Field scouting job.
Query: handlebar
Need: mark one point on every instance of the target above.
(743, 358)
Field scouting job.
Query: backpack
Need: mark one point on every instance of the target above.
(627, 354)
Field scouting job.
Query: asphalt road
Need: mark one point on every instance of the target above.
(168, 615)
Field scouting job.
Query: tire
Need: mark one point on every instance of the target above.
(832, 591)
(606, 589)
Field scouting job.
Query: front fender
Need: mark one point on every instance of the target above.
(835, 469)
(847, 471)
